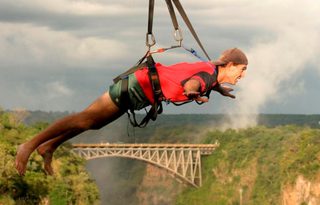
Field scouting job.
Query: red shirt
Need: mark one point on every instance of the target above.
(172, 79)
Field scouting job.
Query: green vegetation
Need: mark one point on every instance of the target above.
(70, 185)
(258, 162)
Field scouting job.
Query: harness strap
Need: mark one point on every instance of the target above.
(150, 16)
(156, 107)
(188, 23)
(172, 15)
(154, 79)
(126, 105)
(137, 66)
(149, 35)
(128, 72)
(155, 83)
(124, 97)
(177, 32)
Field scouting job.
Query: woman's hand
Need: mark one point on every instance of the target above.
(194, 95)
(223, 90)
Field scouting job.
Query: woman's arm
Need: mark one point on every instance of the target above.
(192, 90)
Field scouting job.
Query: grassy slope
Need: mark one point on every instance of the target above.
(70, 185)
(260, 161)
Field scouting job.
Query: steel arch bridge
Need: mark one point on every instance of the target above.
(183, 160)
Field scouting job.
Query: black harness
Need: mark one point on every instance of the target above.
(156, 106)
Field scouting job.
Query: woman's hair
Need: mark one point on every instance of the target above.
(233, 55)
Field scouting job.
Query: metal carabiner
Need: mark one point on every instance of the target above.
(178, 35)
(150, 36)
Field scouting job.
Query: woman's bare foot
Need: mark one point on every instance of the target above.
(47, 155)
(23, 153)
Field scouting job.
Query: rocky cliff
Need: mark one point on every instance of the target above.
(303, 191)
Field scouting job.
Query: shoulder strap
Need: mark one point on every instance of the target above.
(137, 66)
(155, 83)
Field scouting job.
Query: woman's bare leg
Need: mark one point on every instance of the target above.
(101, 112)
(47, 148)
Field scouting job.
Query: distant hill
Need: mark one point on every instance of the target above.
(41, 116)
(269, 120)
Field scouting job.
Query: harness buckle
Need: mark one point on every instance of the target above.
(178, 35)
(150, 40)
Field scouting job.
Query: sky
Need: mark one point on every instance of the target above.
(61, 55)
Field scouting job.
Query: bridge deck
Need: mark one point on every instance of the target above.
(111, 145)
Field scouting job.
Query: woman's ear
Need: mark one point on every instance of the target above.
(229, 64)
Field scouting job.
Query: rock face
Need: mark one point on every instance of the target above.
(302, 192)
(158, 187)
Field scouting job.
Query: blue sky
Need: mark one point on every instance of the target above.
(62, 54)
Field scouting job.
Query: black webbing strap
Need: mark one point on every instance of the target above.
(177, 32)
(149, 35)
(131, 70)
(156, 107)
(154, 78)
(172, 15)
(128, 72)
(126, 105)
(188, 23)
(124, 97)
(150, 17)
(155, 83)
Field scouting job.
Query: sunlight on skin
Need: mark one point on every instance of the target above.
(231, 73)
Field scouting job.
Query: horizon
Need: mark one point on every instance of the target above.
(162, 114)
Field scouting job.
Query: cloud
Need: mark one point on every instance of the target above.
(24, 44)
(84, 8)
(51, 41)
(85, 18)
(57, 89)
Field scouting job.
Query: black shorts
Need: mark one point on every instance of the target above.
(137, 98)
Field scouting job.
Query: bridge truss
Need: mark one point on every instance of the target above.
(183, 160)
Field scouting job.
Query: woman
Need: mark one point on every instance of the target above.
(180, 82)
